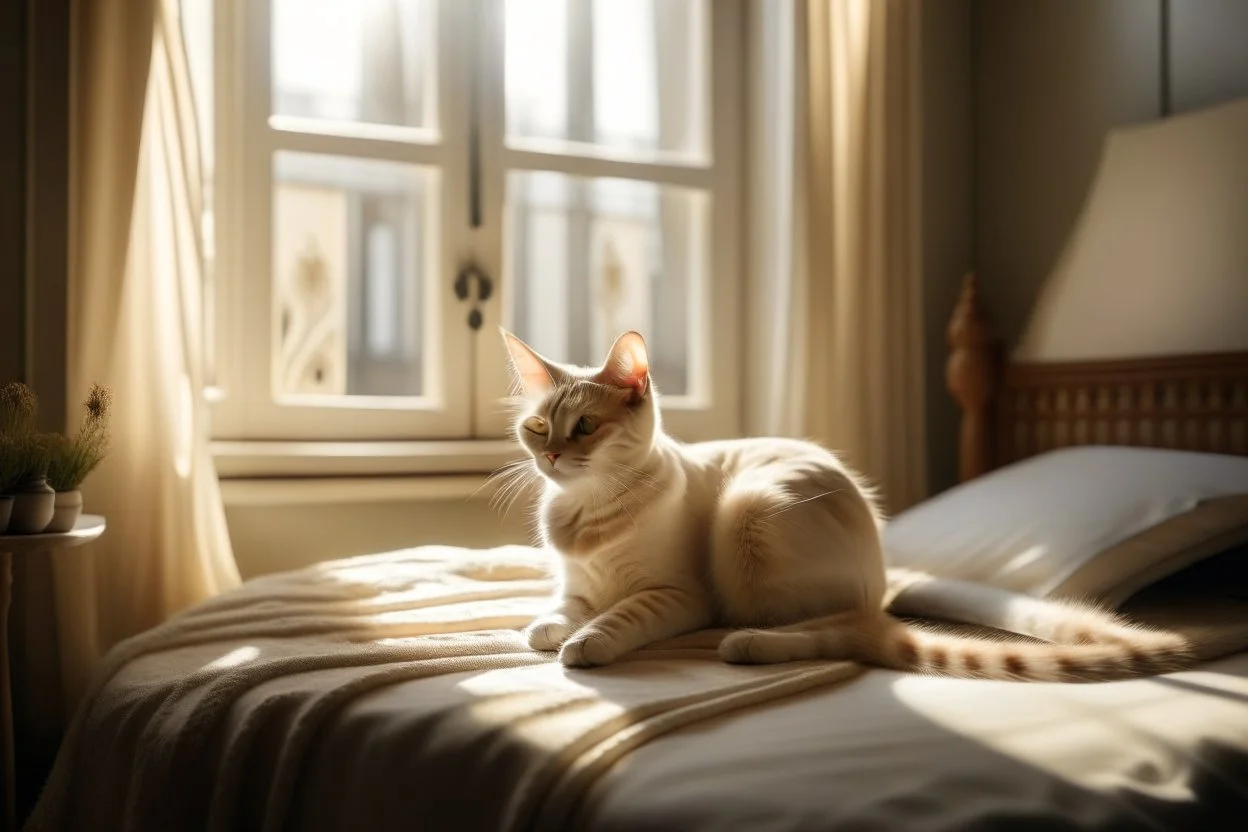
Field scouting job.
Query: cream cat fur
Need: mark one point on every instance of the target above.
(774, 538)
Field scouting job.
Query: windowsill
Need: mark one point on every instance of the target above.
(259, 459)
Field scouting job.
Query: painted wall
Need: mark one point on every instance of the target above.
(12, 190)
(34, 177)
(34, 199)
(1208, 52)
(948, 205)
(275, 538)
(1051, 78)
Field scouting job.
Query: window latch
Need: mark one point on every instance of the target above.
(469, 274)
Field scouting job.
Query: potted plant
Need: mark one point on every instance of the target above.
(8, 479)
(18, 405)
(34, 501)
(71, 459)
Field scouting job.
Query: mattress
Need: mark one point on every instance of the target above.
(393, 691)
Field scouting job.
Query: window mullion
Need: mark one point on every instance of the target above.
(580, 109)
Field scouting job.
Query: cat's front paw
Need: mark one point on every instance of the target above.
(548, 632)
(588, 649)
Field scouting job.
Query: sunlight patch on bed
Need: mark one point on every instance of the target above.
(501, 571)
(539, 704)
(384, 577)
(408, 569)
(234, 658)
(1145, 735)
(538, 678)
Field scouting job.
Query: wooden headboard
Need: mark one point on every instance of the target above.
(1012, 410)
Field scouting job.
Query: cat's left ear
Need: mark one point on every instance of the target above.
(536, 375)
(627, 365)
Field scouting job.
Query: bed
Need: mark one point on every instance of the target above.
(393, 690)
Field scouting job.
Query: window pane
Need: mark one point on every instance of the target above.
(353, 243)
(364, 61)
(591, 258)
(623, 74)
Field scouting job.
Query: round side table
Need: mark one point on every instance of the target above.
(88, 528)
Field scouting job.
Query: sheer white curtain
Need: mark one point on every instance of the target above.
(136, 325)
(835, 350)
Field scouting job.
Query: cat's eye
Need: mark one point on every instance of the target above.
(586, 425)
(536, 424)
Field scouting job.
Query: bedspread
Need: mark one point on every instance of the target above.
(395, 691)
(212, 719)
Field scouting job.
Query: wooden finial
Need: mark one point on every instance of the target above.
(971, 376)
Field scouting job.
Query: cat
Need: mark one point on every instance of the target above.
(774, 539)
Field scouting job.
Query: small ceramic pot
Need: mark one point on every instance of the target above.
(6, 509)
(66, 509)
(34, 503)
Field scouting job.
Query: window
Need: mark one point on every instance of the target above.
(394, 179)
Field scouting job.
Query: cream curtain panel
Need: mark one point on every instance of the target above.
(135, 325)
(837, 344)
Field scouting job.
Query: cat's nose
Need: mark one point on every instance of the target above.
(551, 457)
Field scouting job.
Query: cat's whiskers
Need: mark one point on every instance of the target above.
(505, 472)
(515, 491)
(514, 478)
(502, 472)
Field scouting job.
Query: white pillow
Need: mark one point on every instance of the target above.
(1093, 522)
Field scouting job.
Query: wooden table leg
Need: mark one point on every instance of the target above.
(6, 695)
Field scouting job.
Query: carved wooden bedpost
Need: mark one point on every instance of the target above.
(971, 376)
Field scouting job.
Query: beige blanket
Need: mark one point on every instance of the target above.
(171, 732)
(358, 693)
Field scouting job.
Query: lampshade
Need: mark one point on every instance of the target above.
(1158, 262)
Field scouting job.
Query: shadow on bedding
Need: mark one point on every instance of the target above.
(881, 751)
(390, 689)
(971, 755)
(864, 756)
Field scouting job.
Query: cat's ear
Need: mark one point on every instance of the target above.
(627, 365)
(536, 375)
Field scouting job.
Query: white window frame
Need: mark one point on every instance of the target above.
(463, 428)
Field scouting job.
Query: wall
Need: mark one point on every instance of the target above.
(1051, 78)
(1208, 52)
(34, 199)
(47, 204)
(12, 190)
(947, 209)
(34, 223)
(1048, 79)
(275, 537)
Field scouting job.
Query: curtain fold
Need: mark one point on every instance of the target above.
(136, 325)
(840, 355)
